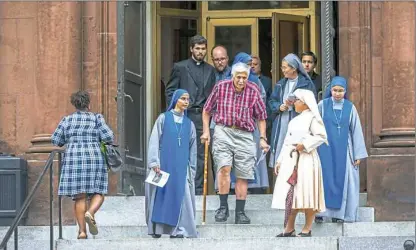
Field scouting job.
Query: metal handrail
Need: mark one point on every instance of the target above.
(29, 199)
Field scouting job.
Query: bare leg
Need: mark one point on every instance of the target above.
(96, 201)
(310, 216)
(80, 207)
(291, 221)
(224, 180)
(241, 186)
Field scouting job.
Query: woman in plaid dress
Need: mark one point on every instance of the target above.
(84, 171)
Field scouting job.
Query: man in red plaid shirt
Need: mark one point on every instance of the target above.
(235, 105)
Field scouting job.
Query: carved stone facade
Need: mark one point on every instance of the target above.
(377, 54)
(51, 49)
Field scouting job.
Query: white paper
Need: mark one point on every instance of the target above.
(157, 179)
(262, 156)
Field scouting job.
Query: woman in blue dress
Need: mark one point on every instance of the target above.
(84, 173)
(172, 148)
(341, 159)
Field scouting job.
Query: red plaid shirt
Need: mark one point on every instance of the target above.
(231, 108)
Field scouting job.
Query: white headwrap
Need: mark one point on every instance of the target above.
(307, 97)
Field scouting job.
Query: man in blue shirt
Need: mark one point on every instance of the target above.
(220, 59)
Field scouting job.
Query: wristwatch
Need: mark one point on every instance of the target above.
(264, 138)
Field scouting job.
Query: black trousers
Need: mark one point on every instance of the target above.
(196, 118)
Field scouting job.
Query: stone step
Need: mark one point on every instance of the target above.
(254, 202)
(36, 237)
(313, 243)
(359, 229)
(366, 243)
(131, 216)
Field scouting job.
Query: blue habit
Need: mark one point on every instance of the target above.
(333, 156)
(173, 160)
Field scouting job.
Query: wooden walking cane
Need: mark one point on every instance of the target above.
(204, 201)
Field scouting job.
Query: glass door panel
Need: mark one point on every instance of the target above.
(290, 35)
(237, 35)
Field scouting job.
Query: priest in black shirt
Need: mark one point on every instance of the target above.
(198, 78)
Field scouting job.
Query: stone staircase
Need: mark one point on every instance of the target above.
(122, 225)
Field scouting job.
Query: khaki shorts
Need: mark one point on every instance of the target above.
(236, 148)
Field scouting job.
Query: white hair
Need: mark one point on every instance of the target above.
(240, 68)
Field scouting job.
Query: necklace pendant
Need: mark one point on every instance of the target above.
(179, 141)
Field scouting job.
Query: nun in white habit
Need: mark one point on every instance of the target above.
(306, 132)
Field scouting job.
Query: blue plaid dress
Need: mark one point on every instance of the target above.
(83, 167)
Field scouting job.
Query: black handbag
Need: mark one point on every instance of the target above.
(111, 154)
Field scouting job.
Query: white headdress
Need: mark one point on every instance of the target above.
(307, 97)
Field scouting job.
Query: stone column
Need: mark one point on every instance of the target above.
(396, 80)
(391, 175)
(376, 54)
(58, 74)
(58, 66)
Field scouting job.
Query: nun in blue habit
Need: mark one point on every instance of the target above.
(280, 104)
(261, 176)
(172, 148)
(341, 158)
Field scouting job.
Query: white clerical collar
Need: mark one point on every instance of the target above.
(196, 61)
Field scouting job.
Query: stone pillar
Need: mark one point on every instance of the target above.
(58, 74)
(377, 55)
(391, 175)
(396, 80)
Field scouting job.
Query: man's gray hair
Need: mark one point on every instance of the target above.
(240, 68)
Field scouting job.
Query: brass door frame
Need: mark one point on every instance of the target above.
(277, 17)
(157, 13)
(217, 22)
(312, 12)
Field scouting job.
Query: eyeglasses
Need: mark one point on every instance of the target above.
(219, 59)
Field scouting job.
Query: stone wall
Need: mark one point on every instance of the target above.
(377, 54)
(50, 50)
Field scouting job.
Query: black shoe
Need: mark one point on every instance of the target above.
(335, 220)
(156, 236)
(222, 214)
(241, 218)
(319, 219)
(290, 234)
(309, 234)
(179, 236)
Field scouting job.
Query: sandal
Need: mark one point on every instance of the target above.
(305, 234)
(82, 236)
(92, 225)
(289, 234)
